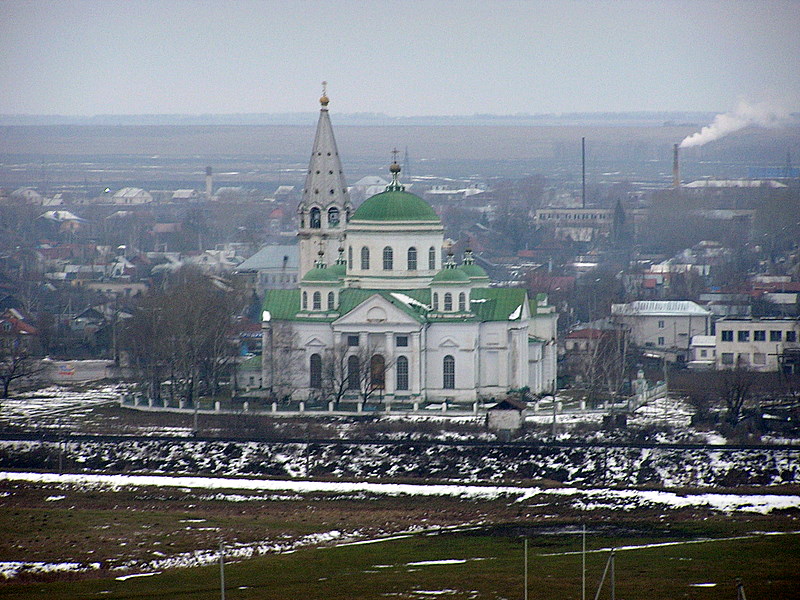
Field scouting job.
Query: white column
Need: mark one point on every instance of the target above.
(388, 354)
(416, 364)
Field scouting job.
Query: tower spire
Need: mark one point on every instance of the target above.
(325, 206)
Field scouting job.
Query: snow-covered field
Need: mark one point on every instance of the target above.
(584, 499)
(590, 466)
(58, 406)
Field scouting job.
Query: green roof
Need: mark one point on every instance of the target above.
(496, 304)
(339, 269)
(488, 304)
(321, 275)
(447, 275)
(474, 271)
(395, 205)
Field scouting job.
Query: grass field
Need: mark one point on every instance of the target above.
(299, 550)
(477, 564)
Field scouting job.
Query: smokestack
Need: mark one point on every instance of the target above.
(583, 172)
(676, 169)
(209, 183)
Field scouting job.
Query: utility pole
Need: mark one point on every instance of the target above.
(526, 568)
(222, 569)
(740, 590)
(583, 565)
(583, 172)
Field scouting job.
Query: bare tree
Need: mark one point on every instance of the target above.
(359, 370)
(281, 356)
(340, 373)
(15, 363)
(733, 388)
(183, 332)
(603, 366)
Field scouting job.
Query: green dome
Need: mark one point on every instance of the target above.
(395, 205)
(474, 271)
(450, 276)
(339, 269)
(321, 275)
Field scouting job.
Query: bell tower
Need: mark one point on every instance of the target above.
(325, 209)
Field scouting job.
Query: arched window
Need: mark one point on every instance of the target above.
(333, 217)
(412, 259)
(305, 300)
(317, 301)
(331, 300)
(353, 369)
(402, 373)
(314, 219)
(377, 372)
(349, 257)
(462, 302)
(449, 373)
(448, 302)
(364, 258)
(435, 301)
(315, 371)
(432, 259)
(388, 258)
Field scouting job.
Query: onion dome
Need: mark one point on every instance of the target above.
(339, 268)
(469, 267)
(450, 273)
(320, 273)
(395, 204)
(324, 98)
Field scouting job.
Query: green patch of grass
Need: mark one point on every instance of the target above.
(492, 569)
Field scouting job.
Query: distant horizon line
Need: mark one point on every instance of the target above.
(654, 117)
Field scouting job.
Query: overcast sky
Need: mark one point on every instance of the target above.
(401, 58)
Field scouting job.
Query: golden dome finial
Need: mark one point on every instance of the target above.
(324, 99)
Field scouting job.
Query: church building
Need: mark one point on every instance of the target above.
(383, 310)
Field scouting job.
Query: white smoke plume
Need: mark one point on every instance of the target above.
(762, 114)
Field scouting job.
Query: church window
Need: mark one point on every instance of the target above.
(353, 369)
(377, 372)
(315, 371)
(401, 341)
(449, 373)
(432, 259)
(352, 341)
(412, 259)
(402, 373)
(317, 301)
(314, 218)
(305, 300)
(364, 258)
(462, 302)
(448, 302)
(435, 300)
(331, 300)
(349, 257)
(388, 258)
(333, 216)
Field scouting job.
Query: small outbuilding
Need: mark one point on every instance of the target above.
(506, 416)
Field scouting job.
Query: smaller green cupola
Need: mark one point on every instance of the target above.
(450, 289)
(475, 272)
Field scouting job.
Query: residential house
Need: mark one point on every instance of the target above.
(663, 325)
